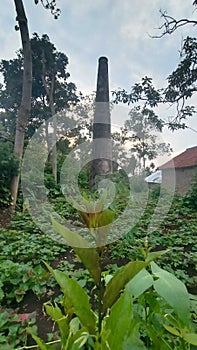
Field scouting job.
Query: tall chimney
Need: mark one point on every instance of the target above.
(102, 149)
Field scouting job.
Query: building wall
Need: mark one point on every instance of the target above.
(183, 179)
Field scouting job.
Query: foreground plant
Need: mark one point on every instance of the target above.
(140, 306)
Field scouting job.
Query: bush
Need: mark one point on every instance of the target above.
(8, 168)
(191, 197)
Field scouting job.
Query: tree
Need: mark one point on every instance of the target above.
(51, 92)
(144, 140)
(181, 83)
(25, 105)
(50, 72)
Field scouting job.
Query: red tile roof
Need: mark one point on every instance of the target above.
(184, 160)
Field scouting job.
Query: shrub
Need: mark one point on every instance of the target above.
(191, 197)
(8, 168)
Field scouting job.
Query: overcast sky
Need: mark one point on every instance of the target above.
(118, 29)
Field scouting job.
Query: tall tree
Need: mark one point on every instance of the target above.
(51, 90)
(25, 106)
(50, 72)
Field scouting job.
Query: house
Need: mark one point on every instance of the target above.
(154, 178)
(180, 170)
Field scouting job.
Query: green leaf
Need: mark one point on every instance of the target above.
(106, 217)
(56, 314)
(88, 255)
(82, 340)
(72, 238)
(173, 291)
(74, 325)
(104, 220)
(73, 341)
(137, 344)
(90, 259)
(53, 311)
(154, 255)
(191, 338)
(121, 327)
(41, 344)
(140, 283)
(172, 320)
(172, 330)
(77, 297)
(1, 293)
(121, 277)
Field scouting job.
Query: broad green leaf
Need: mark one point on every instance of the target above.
(191, 338)
(94, 219)
(122, 327)
(74, 325)
(173, 291)
(104, 220)
(53, 311)
(140, 283)
(41, 344)
(172, 320)
(3, 319)
(172, 330)
(106, 217)
(77, 297)
(72, 238)
(90, 259)
(154, 255)
(88, 255)
(56, 314)
(121, 277)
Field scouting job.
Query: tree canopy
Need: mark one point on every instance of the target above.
(48, 64)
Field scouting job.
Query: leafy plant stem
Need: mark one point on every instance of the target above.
(100, 295)
(167, 344)
(36, 346)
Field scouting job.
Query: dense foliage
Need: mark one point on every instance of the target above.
(50, 76)
(24, 247)
(8, 168)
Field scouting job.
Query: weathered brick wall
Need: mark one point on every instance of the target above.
(183, 179)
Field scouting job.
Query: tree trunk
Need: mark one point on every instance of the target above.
(25, 106)
(54, 138)
(49, 88)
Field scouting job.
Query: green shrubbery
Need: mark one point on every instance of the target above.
(8, 168)
(191, 197)
(140, 306)
(24, 247)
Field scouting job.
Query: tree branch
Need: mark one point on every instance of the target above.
(170, 24)
(50, 5)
